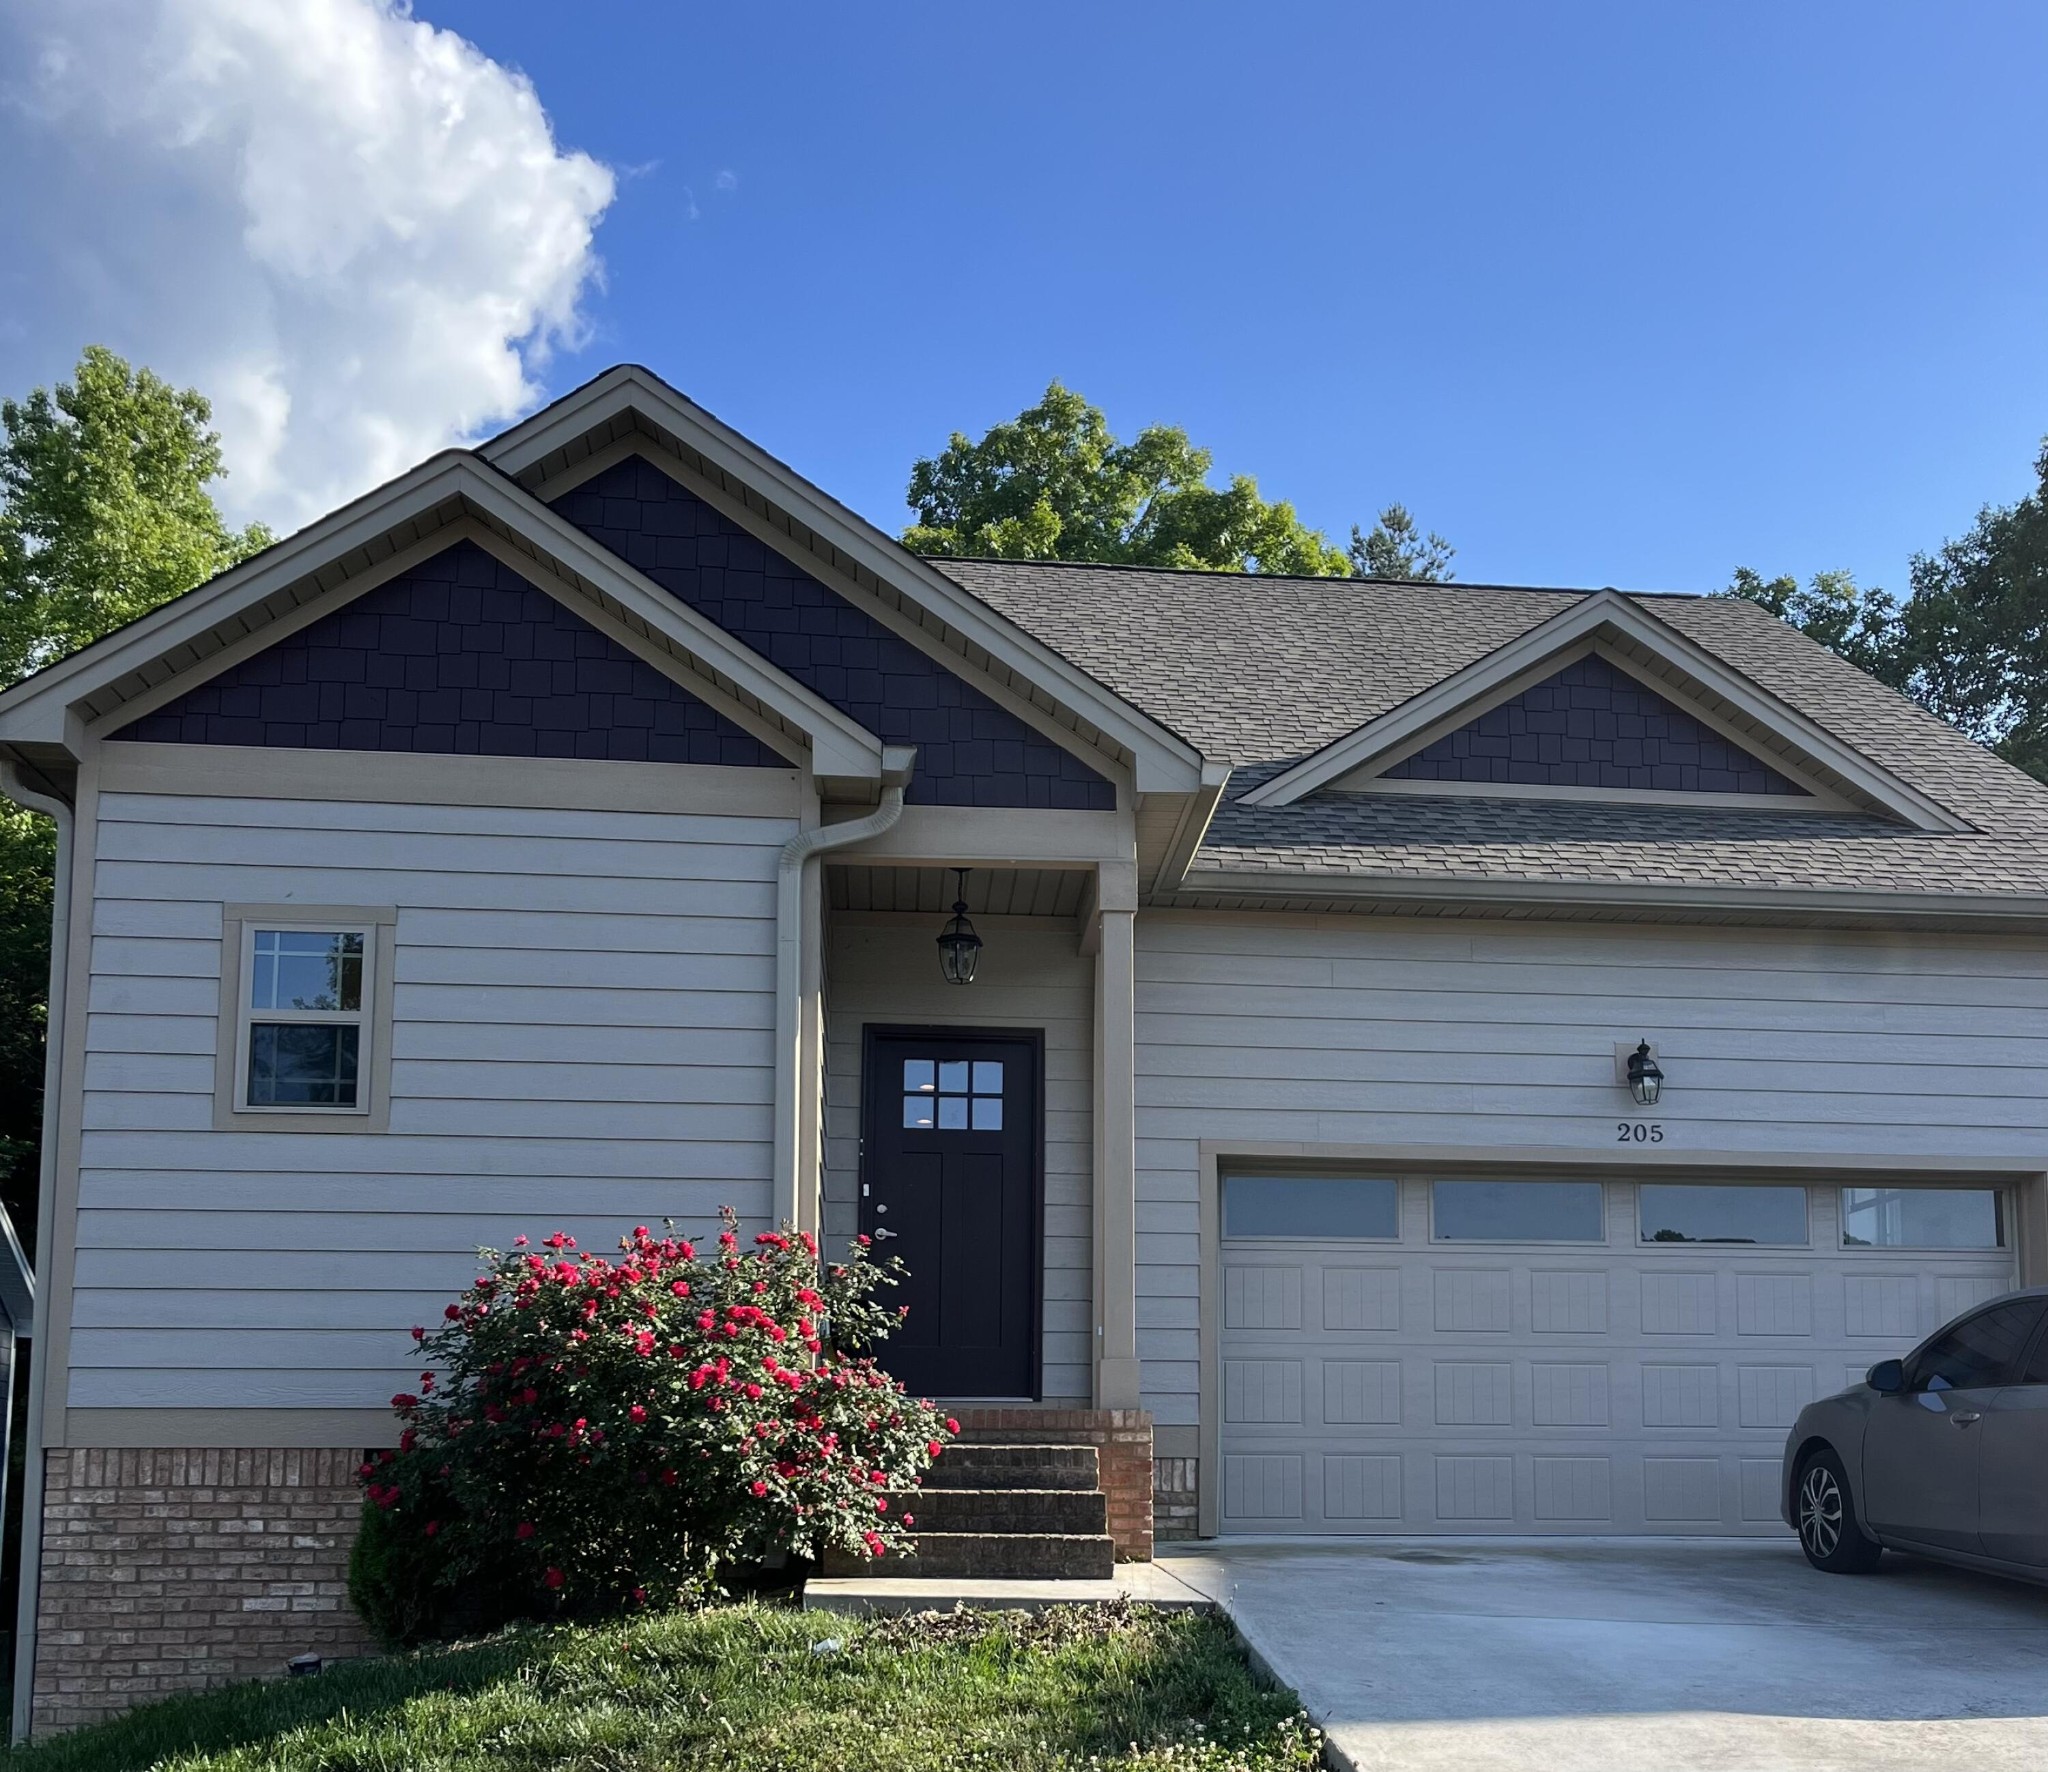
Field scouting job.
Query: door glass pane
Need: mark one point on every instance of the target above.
(917, 1112)
(1688, 1214)
(1920, 1218)
(1518, 1212)
(953, 1077)
(302, 1064)
(1978, 1351)
(988, 1113)
(952, 1113)
(918, 1073)
(306, 969)
(1310, 1206)
(988, 1076)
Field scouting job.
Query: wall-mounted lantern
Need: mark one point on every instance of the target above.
(959, 946)
(1645, 1080)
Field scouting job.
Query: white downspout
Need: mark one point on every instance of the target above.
(897, 763)
(19, 791)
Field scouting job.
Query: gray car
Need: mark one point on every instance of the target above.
(1944, 1453)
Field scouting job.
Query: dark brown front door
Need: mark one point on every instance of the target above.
(949, 1185)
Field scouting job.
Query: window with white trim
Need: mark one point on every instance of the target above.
(305, 1017)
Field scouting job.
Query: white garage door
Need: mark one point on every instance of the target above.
(1456, 1356)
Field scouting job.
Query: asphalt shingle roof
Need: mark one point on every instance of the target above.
(1260, 672)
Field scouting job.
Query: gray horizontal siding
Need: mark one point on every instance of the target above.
(582, 1040)
(1339, 1032)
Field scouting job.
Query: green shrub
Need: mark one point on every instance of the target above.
(596, 1432)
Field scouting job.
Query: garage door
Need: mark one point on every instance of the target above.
(1545, 1356)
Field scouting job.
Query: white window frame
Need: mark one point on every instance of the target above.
(371, 1111)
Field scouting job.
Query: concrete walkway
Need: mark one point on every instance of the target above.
(1639, 1655)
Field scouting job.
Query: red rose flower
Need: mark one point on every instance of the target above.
(553, 1577)
(525, 1529)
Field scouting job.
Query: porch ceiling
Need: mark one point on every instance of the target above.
(993, 892)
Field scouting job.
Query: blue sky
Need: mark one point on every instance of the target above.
(1623, 294)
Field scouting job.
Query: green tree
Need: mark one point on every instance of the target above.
(1397, 549)
(1976, 628)
(1862, 625)
(1054, 483)
(104, 511)
(104, 514)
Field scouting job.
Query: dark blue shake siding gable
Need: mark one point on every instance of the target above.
(970, 752)
(460, 656)
(1592, 726)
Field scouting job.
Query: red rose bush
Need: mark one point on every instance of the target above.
(600, 1431)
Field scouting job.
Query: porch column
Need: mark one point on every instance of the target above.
(1113, 936)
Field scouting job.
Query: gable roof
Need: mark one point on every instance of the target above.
(629, 403)
(449, 498)
(1270, 673)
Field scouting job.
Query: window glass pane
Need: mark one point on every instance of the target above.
(2037, 1364)
(988, 1113)
(917, 1112)
(1723, 1214)
(1518, 1212)
(1978, 1351)
(1310, 1206)
(917, 1074)
(306, 969)
(953, 1077)
(952, 1113)
(988, 1077)
(1920, 1218)
(302, 1064)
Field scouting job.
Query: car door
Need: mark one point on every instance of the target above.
(1922, 1453)
(2013, 1482)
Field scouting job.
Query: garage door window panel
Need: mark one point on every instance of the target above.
(1922, 1218)
(1518, 1212)
(1763, 1217)
(1360, 1208)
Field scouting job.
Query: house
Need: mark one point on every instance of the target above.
(1440, 1059)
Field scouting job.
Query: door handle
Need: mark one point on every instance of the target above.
(883, 1231)
(1963, 1417)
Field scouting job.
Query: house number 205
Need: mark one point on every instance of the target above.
(1638, 1132)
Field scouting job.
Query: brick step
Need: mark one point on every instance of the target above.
(968, 1466)
(992, 1556)
(1057, 1511)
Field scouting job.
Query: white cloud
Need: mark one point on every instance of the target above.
(353, 231)
(727, 180)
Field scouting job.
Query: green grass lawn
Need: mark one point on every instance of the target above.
(745, 1686)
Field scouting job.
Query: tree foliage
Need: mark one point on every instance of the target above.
(104, 511)
(1397, 549)
(1054, 483)
(1970, 642)
(104, 514)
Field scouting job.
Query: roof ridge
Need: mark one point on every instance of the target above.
(942, 561)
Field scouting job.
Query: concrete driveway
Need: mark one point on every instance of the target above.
(1640, 1655)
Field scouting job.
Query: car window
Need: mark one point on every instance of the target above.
(1978, 1351)
(2036, 1369)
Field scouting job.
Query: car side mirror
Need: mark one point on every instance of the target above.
(1887, 1377)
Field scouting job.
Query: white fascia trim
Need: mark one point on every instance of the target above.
(456, 488)
(1197, 812)
(1165, 763)
(1584, 621)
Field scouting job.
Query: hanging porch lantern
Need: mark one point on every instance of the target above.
(959, 946)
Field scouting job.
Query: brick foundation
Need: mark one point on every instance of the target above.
(169, 1570)
(1173, 1499)
(1123, 1441)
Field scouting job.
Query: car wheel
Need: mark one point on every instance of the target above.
(1828, 1532)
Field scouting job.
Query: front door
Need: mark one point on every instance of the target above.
(949, 1186)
